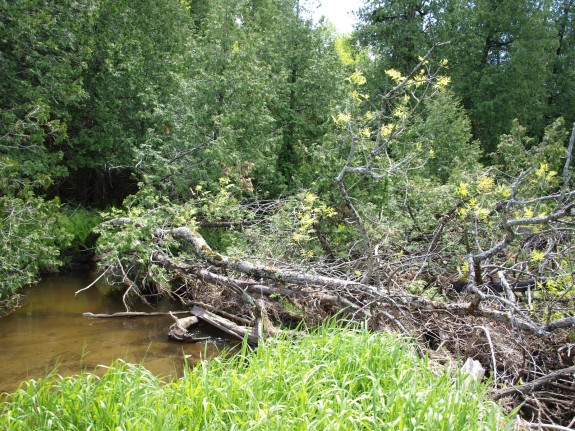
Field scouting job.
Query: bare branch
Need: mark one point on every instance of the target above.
(529, 387)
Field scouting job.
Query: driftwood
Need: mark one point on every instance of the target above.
(227, 326)
(179, 330)
(375, 292)
(133, 314)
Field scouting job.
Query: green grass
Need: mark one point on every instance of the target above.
(333, 379)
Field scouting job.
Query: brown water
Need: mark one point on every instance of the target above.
(48, 331)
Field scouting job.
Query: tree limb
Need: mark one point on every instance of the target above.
(532, 386)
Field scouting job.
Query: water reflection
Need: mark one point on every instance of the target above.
(49, 330)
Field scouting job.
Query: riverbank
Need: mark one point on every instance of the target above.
(333, 379)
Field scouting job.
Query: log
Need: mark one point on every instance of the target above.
(179, 330)
(203, 250)
(214, 310)
(133, 314)
(261, 271)
(226, 325)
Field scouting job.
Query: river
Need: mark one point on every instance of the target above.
(48, 332)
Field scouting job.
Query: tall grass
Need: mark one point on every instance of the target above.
(333, 379)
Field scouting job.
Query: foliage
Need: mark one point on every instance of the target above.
(291, 231)
(32, 236)
(310, 83)
(508, 47)
(332, 379)
(518, 206)
(132, 80)
(444, 134)
(43, 49)
(234, 110)
(562, 81)
(397, 31)
(231, 97)
(79, 222)
(517, 151)
(126, 233)
(508, 59)
(213, 105)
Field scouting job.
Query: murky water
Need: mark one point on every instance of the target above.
(48, 331)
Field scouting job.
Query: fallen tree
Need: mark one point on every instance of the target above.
(509, 304)
(236, 286)
(437, 324)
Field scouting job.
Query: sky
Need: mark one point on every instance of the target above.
(338, 12)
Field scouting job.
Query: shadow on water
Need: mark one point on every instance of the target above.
(48, 331)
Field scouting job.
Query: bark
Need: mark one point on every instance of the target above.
(239, 320)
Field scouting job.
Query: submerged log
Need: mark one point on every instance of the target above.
(179, 330)
(227, 326)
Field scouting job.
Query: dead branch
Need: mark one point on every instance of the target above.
(518, 320)
(133, 314)
(493, 360)
(92, 283)
(566, 166)
(542, 426)
(530, 387)
(506, 287)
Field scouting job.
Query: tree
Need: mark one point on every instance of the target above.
(132, 73)
(257, 96)
(44, 47)
(310, 74)
(500, 61)
(444, 133)
(562, 80)
(501, 54)
(43, 50)
(397, 31)
(305, 75)
(230, 94)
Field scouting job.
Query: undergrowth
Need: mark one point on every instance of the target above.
(333, 379)
(79, 222)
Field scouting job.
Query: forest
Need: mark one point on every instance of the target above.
(416, 175)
